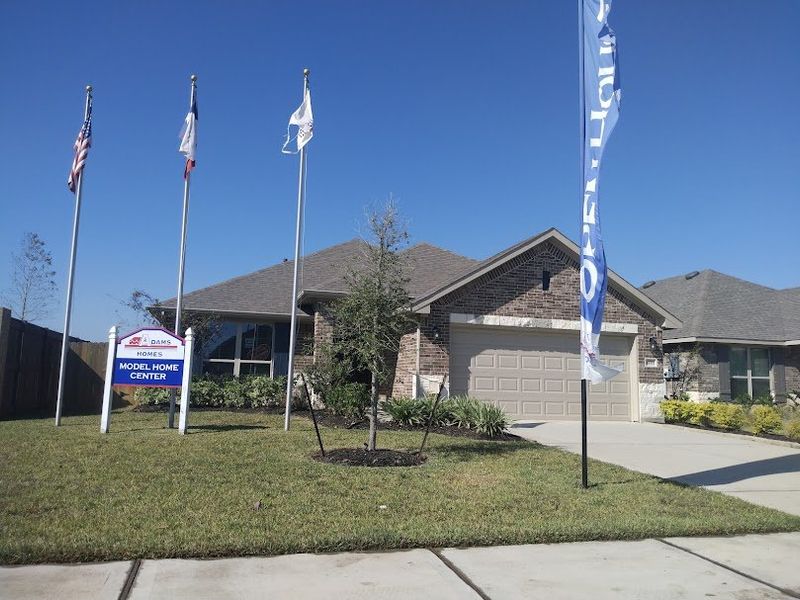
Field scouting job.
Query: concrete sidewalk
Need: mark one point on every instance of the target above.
(755, 566)
(759, 471)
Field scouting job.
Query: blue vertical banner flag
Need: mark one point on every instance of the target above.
(601, 102)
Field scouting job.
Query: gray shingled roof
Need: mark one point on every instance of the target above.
(269, 290)
(715, 305)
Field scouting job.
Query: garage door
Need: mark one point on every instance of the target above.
(536, 375)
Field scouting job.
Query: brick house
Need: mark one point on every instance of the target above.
(737, 338)
(504, 329)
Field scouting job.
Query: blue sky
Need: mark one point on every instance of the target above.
(465, 111)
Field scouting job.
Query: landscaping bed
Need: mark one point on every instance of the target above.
(764, 420)
(237, 484)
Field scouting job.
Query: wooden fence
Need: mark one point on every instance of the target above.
(29, 361)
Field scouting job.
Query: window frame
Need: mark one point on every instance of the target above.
(749, 377)
(237, 359)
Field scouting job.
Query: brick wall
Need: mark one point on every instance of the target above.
(515, 289)
(705, 384)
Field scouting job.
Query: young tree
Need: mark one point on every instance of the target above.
(32, 291)
(370, 320)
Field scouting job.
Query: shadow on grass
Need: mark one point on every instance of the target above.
(223, 428)
(476, 450)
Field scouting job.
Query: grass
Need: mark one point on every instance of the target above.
(72, 494)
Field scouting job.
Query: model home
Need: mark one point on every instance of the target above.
(503, 329)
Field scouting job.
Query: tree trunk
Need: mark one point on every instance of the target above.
(373, 414)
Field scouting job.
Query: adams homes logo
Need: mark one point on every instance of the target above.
(146, 340)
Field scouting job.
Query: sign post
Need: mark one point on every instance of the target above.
(147, 357)
(105, 419)
(183, 419)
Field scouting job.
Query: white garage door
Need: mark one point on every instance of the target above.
(536, 375)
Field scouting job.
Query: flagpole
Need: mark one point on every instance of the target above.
(71, 277)
(298, 231)
(581, 154)
(182, 260)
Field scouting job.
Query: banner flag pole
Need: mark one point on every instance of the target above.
(581, 158)
(182, 258)
(298, 232)
(62, 367)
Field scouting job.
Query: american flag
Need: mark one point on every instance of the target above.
(82, 144)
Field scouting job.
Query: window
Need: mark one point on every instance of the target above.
(750, 372)
(241, 349)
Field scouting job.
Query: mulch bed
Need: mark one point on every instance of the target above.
(358, 457)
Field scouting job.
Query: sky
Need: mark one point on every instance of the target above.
(464, 111)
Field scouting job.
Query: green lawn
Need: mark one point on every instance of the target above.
(73, 494)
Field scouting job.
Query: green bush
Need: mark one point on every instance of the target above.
(348, 400)
(207, 391)
(766, 419)
(675, 411)
(443, 415)
(727, 416)
(406, 411)
(464, 411)
(700, 413)
(144, 396)
(792, 430)
(491, 420)
(261, 391)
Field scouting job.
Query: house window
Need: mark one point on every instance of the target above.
(750, 372)
(241, 349)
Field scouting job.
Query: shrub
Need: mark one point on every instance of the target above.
(700, 413)
(766, 419)
(727, 416)
(443, 415)
(675, 411)
(464, 411)
(491, 420)
(406, 411)
(792, 430)
(207, 391)
(348, 400)
(151, 396)
(261, 391)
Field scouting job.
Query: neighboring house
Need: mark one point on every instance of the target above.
(504, 329)
(737, 339)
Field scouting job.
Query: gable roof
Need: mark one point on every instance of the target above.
(269, 291)
(557, 238)
(713, 305)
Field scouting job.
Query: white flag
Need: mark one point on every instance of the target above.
(188, 145)
(303, 118)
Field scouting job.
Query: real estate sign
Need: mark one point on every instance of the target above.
(151, 357)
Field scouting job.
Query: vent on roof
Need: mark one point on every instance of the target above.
(692, 275)
(648, 284)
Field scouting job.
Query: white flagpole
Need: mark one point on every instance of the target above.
(182, 260)
(298, 230)
(71, 277)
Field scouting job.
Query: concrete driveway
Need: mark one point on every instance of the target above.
(755, 470)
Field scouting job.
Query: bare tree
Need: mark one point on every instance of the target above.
(146, 309)
(33, 288)
(370, 320)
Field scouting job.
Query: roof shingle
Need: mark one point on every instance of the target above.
(715, 305)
